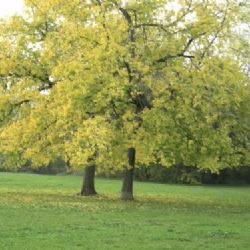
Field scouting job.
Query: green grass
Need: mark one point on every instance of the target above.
(46, 212)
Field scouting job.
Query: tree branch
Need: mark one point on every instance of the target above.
(124, 13)
(168, 57)
(161, 26)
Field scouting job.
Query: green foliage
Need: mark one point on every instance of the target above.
(84, 81)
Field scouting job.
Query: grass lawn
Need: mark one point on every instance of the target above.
(45, 212)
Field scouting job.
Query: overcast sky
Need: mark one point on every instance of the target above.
(10, 7)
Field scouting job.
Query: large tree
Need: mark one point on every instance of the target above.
(29, 58)
(112, 83)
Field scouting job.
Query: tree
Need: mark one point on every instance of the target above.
(126, 83)
(27, 61)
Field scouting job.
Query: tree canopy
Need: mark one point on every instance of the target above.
(88, 80)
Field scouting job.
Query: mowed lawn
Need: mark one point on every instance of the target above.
(46, 212)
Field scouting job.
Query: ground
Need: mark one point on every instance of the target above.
(46, 212)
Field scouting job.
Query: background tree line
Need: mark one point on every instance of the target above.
(155, 173)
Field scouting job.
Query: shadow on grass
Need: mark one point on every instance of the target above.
(69, 199)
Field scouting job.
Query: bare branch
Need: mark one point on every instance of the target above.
(158, 25)
(21, 102)
(168, 57)
(124, 13)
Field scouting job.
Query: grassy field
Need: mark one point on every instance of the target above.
(45, 212)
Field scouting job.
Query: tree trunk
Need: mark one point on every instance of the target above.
(88, 185)
(127, 186)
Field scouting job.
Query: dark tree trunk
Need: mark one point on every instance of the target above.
(127, 186)
(88, 185)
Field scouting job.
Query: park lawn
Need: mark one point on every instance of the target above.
(46, 212)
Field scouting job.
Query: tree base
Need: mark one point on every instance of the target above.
(88, 193)
(127, 186)
(88, 186)
(125, 196)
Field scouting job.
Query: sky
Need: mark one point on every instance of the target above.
(10, 7)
